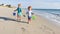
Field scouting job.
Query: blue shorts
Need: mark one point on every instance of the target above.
(29, 17)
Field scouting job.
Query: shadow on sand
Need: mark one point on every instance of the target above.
(10, 19)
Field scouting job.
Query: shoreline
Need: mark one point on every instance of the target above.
(48, 18)
(40, 25)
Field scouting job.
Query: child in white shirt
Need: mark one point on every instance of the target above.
(29, 14)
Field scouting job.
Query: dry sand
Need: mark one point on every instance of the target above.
(40, 25)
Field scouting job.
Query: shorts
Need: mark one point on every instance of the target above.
(29, 17)
(19, 14)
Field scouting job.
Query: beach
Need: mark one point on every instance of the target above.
(9, 25)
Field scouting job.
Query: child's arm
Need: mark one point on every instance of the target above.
(32, 13)
(16, 9)
(26, 12)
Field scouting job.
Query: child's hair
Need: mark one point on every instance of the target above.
(19, 4)
(29, 7)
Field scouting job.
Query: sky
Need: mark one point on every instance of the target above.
(42, 4)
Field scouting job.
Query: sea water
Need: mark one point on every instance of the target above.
(51, 14)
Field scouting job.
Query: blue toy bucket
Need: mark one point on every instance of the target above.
(14, 14)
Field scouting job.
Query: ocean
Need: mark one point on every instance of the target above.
(51, 14)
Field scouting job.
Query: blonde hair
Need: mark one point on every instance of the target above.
(19, 4)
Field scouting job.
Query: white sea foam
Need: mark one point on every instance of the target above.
(49, 16)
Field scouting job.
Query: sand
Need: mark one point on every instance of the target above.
(9, 25)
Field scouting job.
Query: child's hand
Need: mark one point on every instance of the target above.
(32, 13)
(14, 10)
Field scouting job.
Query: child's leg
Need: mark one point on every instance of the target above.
(20, 14)
(29, 19)
(18, 17)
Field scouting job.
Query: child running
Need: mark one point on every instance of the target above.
(19, 13)
(29, 14)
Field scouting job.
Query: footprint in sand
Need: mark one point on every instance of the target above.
(24, 31)
(46, 29)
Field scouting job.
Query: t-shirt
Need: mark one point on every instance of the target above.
(19, 10)
(29, 13)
